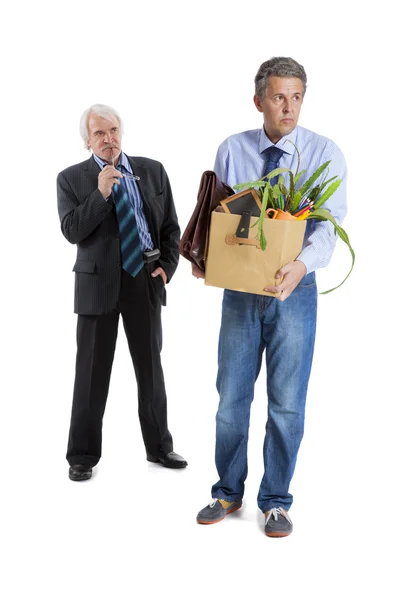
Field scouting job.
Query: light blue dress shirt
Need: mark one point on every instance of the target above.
(135, 199)
(240, 159)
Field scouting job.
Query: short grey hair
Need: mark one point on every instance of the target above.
(101, 110)
(278, 66)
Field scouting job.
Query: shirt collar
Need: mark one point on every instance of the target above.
(288, 148)
(123, 161)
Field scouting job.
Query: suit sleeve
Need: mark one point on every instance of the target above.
(79, 220)
(170, 231)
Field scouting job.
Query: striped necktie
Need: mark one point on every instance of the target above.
(273, 156)
(131, 251)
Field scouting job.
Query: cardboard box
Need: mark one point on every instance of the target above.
(235, 264)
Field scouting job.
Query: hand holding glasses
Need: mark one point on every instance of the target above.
(107, 178)
(126, 175)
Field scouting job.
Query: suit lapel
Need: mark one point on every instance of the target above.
(93, 168)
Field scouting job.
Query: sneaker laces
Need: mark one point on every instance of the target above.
(275, 512)
(225, 503)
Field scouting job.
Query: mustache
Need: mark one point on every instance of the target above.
(109, 147)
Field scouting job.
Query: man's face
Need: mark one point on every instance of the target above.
(104, 137)
(281, 106)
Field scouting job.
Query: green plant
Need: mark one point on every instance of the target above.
(304, 202)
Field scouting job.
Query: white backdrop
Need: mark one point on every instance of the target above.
(181, 75)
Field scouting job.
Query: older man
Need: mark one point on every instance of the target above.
(284, 326)
(120, 212)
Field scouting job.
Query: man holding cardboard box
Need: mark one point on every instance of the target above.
(284, 324)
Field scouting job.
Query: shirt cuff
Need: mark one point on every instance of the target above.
(308, 257)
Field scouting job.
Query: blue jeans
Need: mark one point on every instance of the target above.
(286, 330)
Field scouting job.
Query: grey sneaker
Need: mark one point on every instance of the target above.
(216, 511)
(277, 523)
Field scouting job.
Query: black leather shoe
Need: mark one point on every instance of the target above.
(80, 472)
(170, 460)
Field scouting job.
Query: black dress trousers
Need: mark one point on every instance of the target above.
(140, 307)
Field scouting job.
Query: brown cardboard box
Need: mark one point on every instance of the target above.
(245, 267)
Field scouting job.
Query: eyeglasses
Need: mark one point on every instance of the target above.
(130, 176)
(126, 175)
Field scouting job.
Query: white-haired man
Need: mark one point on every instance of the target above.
(120, 212)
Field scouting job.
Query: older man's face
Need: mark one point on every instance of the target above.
(104, 137)
(281, 106)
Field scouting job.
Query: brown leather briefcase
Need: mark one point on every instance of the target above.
(194, 240)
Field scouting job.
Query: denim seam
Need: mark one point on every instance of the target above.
(228, 499)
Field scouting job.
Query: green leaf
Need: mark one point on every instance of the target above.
(265, 198)
(296, 201)
(284, 190)
(260, 221)
(314, 193)
(249, 185)
(297, 177)
(290, 207)
(263, 241)
(327, 194)
(310, 182)
(281, 183)
(276, 192)
(321, 187)
(323, 214)
(276, 172)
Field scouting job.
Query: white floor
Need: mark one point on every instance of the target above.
(181, 75)
(131, 530)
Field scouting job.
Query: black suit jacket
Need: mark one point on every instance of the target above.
(90, 222)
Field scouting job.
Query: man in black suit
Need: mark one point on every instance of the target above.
(89, 206)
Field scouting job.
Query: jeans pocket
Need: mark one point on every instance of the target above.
(308, 280)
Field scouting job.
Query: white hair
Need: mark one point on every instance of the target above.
(101, 110)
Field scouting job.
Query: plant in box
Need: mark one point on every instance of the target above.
(290, 200)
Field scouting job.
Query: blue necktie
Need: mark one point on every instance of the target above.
(272, 156)
(131, 251)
